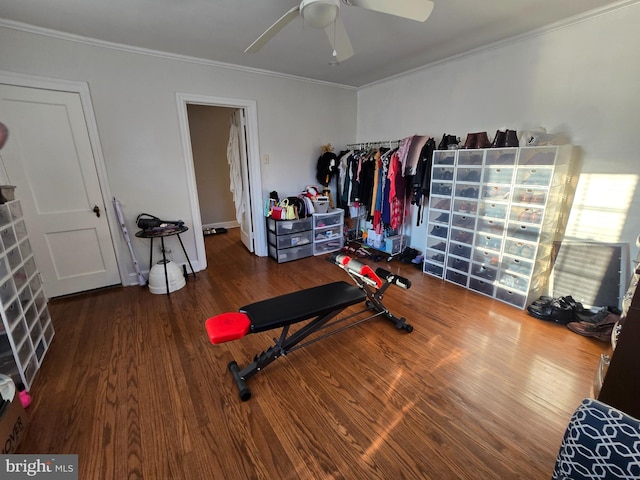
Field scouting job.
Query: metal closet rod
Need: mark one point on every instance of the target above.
(383, 143)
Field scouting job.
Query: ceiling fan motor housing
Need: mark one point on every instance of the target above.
(319, 13)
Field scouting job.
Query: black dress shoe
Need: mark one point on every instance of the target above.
(556, 311)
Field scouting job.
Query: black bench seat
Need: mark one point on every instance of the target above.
(302, 305)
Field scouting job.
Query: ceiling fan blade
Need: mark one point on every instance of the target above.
(418, 10)
(339, 40)
(273, 30)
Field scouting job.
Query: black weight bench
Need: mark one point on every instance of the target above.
(317, 305)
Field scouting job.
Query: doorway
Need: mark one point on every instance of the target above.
(251, 164)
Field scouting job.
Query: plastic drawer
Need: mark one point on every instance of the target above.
(440, 203)
(25, 248)
(528, 233)
(490, 226)
(283, 227)
(328, 219)
(468, 175)
(464, 221)
(537, 156)
(20, 230)
(465, 190)
(458, 264)
(291, 239)
(8, 237)
(493, 210)
(7, 291)
(488, 242)
(328, 246)
(4, 269)
(526, 215)
(469, 158)
(20, 278)
(501, 156)
(465, 206)
(13, 313)
(30, 370)
(439, 231)
(529, 195)
(534, 176)
(435, 256)
(49, 333)
(289, 254)
(433, 268)
(520, 249)
(460, 250)
(441, 188)
(443, 157)
(15, 209)
(462, 236)
(457, 277)
(517, 265)
(496, 192)
(436, 244)
(442, 172)
(14, 258)
(35, 333)
(439, 217)
(486, 257)
(20, 335)
(513, 282)
(5, 215)
(481, 286)
(501, 175)
(484, 272)
(516, 299)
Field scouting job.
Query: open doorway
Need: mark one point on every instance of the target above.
(250, 163)
(209, 129)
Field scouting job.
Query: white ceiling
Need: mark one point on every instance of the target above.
(220, 30)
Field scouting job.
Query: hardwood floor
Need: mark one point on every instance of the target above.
(479, 390)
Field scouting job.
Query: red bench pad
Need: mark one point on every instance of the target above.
(227, 326)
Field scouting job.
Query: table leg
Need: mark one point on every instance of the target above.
(164, 261)
(186, 256)
(150, 257)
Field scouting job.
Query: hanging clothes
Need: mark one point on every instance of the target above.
(235, 170)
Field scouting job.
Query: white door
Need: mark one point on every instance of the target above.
(246, 223)
(49, 158)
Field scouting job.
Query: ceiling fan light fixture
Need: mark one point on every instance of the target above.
(319, 13)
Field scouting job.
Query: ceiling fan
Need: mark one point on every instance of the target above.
(325, 14)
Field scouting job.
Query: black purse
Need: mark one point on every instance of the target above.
(146, 221)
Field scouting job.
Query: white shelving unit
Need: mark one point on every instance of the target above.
(26, 330)
(328, 233)
(493, 218)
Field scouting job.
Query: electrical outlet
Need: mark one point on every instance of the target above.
(266, 158)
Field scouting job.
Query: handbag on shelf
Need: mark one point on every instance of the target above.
(278, 213)
(289, 210)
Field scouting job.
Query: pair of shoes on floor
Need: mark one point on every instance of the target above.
(560, 310)
(408, 255)
(600, 329)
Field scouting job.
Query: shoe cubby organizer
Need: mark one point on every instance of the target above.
(493, 217)
(26, 330)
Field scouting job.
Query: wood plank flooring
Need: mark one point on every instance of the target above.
(479, 390)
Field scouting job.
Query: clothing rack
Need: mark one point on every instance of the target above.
(377, 144)
(390, 144)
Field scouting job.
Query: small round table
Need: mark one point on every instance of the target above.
(161, 234)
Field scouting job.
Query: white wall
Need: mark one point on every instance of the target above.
(582, 80)
(134, 99)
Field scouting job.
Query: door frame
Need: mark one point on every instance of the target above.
(82, 89)
(253, 159)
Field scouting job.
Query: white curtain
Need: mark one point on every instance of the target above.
(235, 172)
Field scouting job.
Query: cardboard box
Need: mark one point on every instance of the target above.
(12, 426)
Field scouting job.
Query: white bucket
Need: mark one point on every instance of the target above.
(157, 282)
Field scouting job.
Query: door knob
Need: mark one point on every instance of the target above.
(96, 210)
